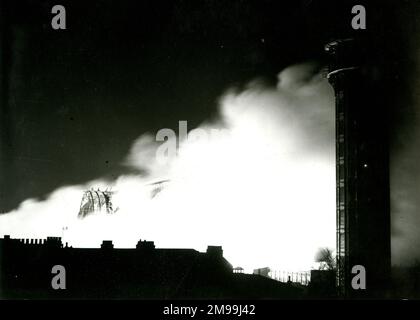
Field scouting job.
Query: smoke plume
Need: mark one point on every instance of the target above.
(259, 180)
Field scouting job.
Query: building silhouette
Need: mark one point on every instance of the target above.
(144, 272)
(262, 271)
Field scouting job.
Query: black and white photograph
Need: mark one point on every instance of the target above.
(208, 149)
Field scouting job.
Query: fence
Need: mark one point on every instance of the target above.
(302, 277)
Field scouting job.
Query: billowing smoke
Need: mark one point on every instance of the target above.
(405, 173)
(405, 182)
(260, 181)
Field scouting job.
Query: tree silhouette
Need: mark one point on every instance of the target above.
(326, 259)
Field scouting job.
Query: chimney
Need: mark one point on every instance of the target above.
(107, 244)
(215, 251)
(145, 245)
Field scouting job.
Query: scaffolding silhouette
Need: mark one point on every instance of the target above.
(95, 201)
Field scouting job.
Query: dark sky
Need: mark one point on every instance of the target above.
(74, 100)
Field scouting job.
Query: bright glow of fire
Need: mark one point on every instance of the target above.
(264, 188)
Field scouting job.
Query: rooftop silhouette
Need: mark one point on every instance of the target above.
(144, 272)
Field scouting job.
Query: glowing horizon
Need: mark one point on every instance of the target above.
(263, 188)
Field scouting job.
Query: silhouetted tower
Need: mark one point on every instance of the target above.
(362, 168)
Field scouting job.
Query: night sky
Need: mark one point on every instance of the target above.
(73, 101)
